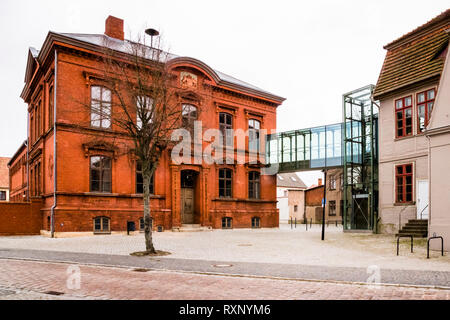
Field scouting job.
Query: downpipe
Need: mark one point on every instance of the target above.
(55, 89)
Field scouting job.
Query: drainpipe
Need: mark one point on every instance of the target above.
(27, 196)
(55, 86)
(429, 184)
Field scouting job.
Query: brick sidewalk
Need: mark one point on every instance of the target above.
(32, 279)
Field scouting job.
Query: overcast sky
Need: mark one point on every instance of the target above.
(310, 52)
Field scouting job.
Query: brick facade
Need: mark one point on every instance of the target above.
(70, 67)
(20, 218)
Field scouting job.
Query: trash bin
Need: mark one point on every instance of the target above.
(130, 227)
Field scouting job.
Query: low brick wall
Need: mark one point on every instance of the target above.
(20, 218)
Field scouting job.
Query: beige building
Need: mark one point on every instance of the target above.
(407, 88)
(4, 179)
(438, 132)
(290, 197)
(334, 204)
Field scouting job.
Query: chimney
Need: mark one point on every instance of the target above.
(114, 28)
(319, 182)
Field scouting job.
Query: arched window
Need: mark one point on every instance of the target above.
(254, 185)
(226, 127)
(100, 177)
(256, 222)
(101, 225)
(100, 107)
(225, 183)
(253, 135)
(189, 115)
(227, 223)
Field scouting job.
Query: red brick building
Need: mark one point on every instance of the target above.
(4, 179)
(313, 202)
(61, 154)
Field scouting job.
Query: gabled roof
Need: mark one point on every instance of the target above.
(31, 63)
(412, 58)
(290, 180)
(440, 117)
(17, 153)
(100, 41)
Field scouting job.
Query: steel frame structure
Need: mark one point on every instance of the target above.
(351, 145)
(360, 143)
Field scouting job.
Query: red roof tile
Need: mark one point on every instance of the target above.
(411, 58)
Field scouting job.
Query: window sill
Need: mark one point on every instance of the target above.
(102, 232)
(100, 128)
(244, 200)
(400, 204)
(404, 138)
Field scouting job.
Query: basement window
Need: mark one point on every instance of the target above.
(256, 222)
(227, 223)
(101, 225)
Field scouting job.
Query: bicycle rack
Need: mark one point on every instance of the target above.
(428, 245)
(405, 236)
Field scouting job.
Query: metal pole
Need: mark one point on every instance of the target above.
(324, 203)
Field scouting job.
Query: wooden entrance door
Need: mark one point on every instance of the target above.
(187, 205)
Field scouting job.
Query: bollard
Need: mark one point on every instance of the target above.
(405, 236)
(295, 223)
(428, 245)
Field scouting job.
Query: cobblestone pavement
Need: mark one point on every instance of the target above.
(34, 280)
(301, 272)
(278, 246)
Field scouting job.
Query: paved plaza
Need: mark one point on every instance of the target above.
(280, 263)
(284, 246)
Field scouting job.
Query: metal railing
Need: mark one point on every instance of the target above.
(428, 245)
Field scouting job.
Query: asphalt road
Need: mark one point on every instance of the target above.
(291, 271)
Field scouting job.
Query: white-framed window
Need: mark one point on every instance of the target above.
(254, 126)
(100, 107)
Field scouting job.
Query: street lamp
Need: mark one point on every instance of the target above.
(152, 33)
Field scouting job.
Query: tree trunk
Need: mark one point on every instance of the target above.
(148, 223)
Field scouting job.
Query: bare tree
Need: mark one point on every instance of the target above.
(143, 106)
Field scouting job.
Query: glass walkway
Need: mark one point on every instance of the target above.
(351, 145)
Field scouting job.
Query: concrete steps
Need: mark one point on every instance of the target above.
(416, 228)
(191, 228)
